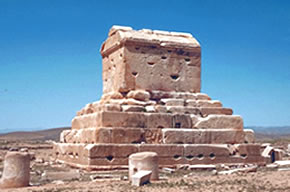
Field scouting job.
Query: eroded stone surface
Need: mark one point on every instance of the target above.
(144, 161)
(152, 102)
(16, 171)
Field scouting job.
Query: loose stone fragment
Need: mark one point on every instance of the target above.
(16, 171)
(144, 161)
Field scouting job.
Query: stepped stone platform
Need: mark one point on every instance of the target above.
(152, 102)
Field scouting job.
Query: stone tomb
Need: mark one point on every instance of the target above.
(152, 102)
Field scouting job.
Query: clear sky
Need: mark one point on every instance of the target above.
(50, 65)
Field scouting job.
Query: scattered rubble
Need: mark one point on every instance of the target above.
(141, 178)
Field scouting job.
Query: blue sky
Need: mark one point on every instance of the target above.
(50, 64)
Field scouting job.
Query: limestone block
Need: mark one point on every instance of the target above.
(201, 151)
(159, 120)
(249, 136)
(160, 109)
(267, 152)
(182, 110)
(144, 161)
(221, 121)
(150, 109)
(139, 95)
(63, 136)
(184, 95)
(85, 121)
(181, 121)
(16, 172)
(202, 136)
(153, 135)
(202, 96)
(203, 103)
(108, 161)
(109, 107)
(122, 119)
(112, 95)
(141, 178)
(205, 111)
(163, 150)
(194, 120)
(172, 102)
(130, 56)
(248, 149)
(157, 94)
(278, 153)
(110, 150)
(133, 108)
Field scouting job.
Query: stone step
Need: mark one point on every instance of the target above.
(196, 136)
(96, 156)
(175, 119)
(153, 135)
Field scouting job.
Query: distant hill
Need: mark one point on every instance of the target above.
(279, 130)
(42, 135)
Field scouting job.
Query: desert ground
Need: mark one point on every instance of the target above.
(49, 176)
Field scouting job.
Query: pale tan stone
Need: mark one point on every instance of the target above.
(139, 95)
(182, 110)
(110, 150)
(160, 109)
(144, 161)
(249, 136)
(141, 178)
(133, 108)
(202, 136)
(150, 109)
(173, 102)
(181, 121)
(159, 120)
(202, 96)
(16, 172)
(221, 121)
(122, 119)
(203, 103)
(163, 150)
(128, 61)
(194, 120)
(205, 111)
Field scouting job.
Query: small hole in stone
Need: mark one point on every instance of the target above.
(121, 55)
(153, 47)
(160, 126)
(187, 59)
(244, 155)
(163, 57)
(150, 63)
(137, 48)
(175, 77)
(109, 68)
(189, 157)
(109, 158)
(169, 51)
(177, 125)
(57, 153)
(212, 155)
(135, 170)
(176, 156)
(112, 60)
(134, 73)
(200, 156)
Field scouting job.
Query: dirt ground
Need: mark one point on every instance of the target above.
(47, 176)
